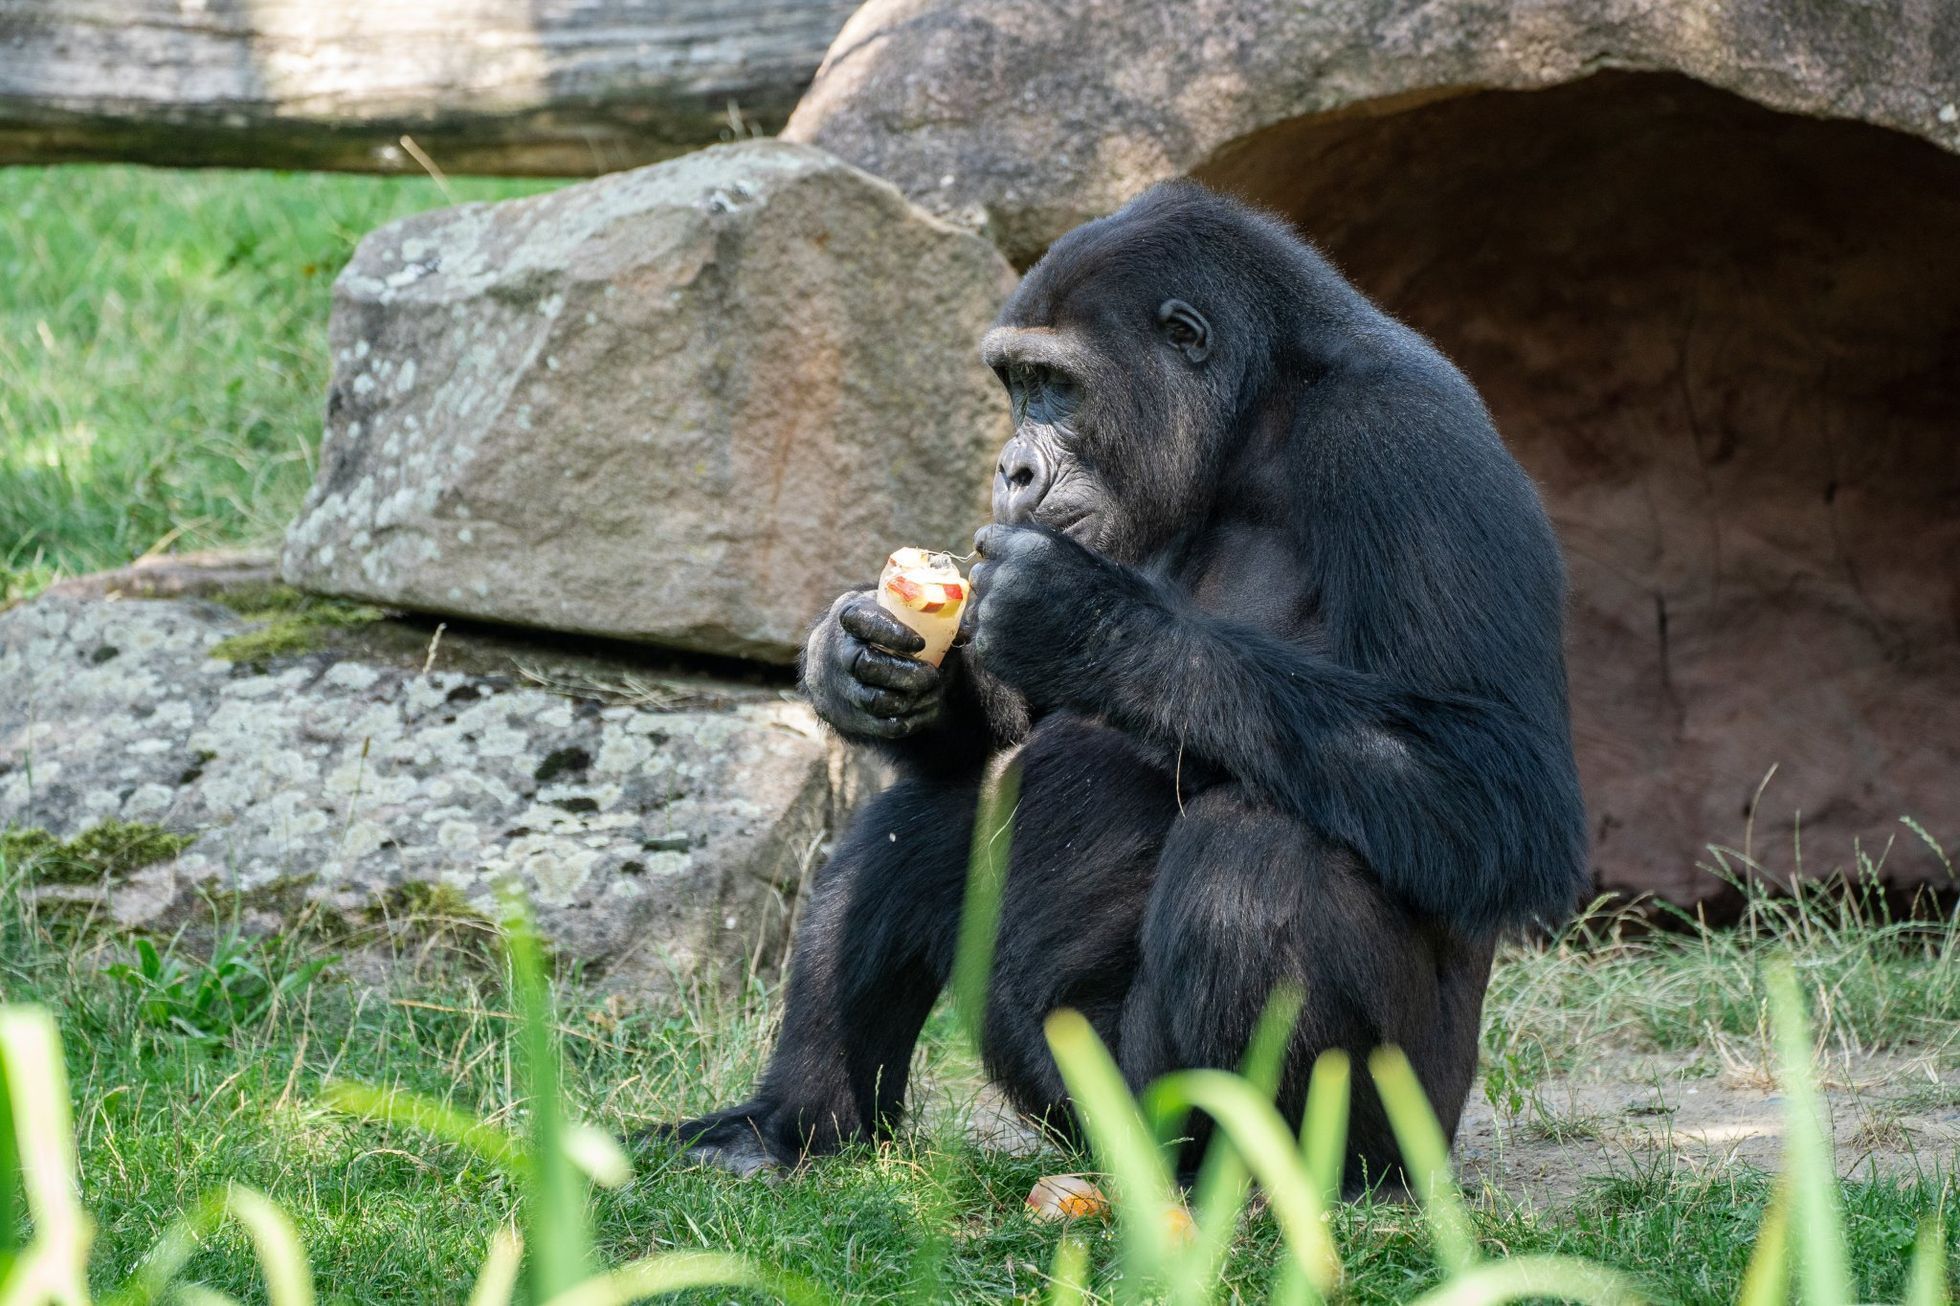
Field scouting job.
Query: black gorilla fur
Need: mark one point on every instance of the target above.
(1273, 620)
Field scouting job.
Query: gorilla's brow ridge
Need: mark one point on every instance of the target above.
(1032, 344)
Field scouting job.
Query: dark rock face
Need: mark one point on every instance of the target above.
(1724, 337)
(1726, 341)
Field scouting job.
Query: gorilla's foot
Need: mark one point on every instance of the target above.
(738, 1140)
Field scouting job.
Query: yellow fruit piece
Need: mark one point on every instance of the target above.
(1066, 1197)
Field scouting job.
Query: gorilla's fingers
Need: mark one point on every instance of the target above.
(874, 666)
(874, 625)
(882, 702)
(996, 541)
(898, 727)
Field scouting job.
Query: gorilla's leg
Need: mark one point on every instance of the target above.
(871, 955)
(1247, 899)
(1093, 813)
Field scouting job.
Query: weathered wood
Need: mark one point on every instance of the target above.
(543, 87)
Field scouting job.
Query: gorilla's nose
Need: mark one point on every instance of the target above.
(1020, 481)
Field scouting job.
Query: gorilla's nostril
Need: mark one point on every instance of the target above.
(1022, 478)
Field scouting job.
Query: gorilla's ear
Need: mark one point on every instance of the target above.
(1185, 327)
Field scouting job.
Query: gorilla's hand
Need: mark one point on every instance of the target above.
(863, 691)
(1049, 616)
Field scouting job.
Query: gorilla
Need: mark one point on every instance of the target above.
(1271, 621)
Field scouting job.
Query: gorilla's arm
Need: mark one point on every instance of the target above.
(1464, 804)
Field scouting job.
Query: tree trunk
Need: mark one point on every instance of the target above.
(540, 87)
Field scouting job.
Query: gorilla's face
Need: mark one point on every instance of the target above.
(1120, 391)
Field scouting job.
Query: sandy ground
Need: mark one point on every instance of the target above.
(1629, 1112)
(1626, 1113)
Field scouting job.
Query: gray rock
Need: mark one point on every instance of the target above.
(1028, 117)
(687, 404)
(658, 844)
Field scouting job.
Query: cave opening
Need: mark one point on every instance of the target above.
(1725, 341)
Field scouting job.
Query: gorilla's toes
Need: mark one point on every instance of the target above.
(735, 1140)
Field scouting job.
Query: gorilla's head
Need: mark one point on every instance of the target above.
(1131, 352)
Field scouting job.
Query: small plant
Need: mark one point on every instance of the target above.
(1514, 1077)
(237, 987)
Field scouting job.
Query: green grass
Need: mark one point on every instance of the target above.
(163, 358)
(388, 1215)
(1883, 977)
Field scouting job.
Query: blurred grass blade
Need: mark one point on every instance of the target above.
(13, 1198)
(1323, 1146)
(169, 1254)
(1767, 1280)
(54, 1266)
(1267, 1146)
(1425, 1158)
(196, 1294)
(598, 1155)
(496, 1282)
(973, 963)
(556, 1234)
(986, 874)
(1817, 1224)
(1068, 1279)
(399, 1107)
(1265, 1052)
(1928, 1284)
(1566, 1278)
(1323, 1130)
(1220, 1192)
(288, 1277)
(679, 1271)
(1124, 1147)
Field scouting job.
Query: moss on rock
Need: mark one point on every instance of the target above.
(110, 849)
(292, 623)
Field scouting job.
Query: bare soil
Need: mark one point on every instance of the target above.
(1626, 1112)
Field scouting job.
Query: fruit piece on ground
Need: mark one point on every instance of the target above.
(1066, 1197)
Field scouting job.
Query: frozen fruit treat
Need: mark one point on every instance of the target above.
(924, 590)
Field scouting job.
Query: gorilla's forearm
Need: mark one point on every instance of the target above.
(1445, 797)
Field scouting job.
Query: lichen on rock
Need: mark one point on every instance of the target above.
(657, 845)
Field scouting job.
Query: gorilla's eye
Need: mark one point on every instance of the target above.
(1185, 328)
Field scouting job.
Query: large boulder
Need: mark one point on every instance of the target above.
(1717, 315)
(1028, 117)
(686, 404)
(338, 771)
